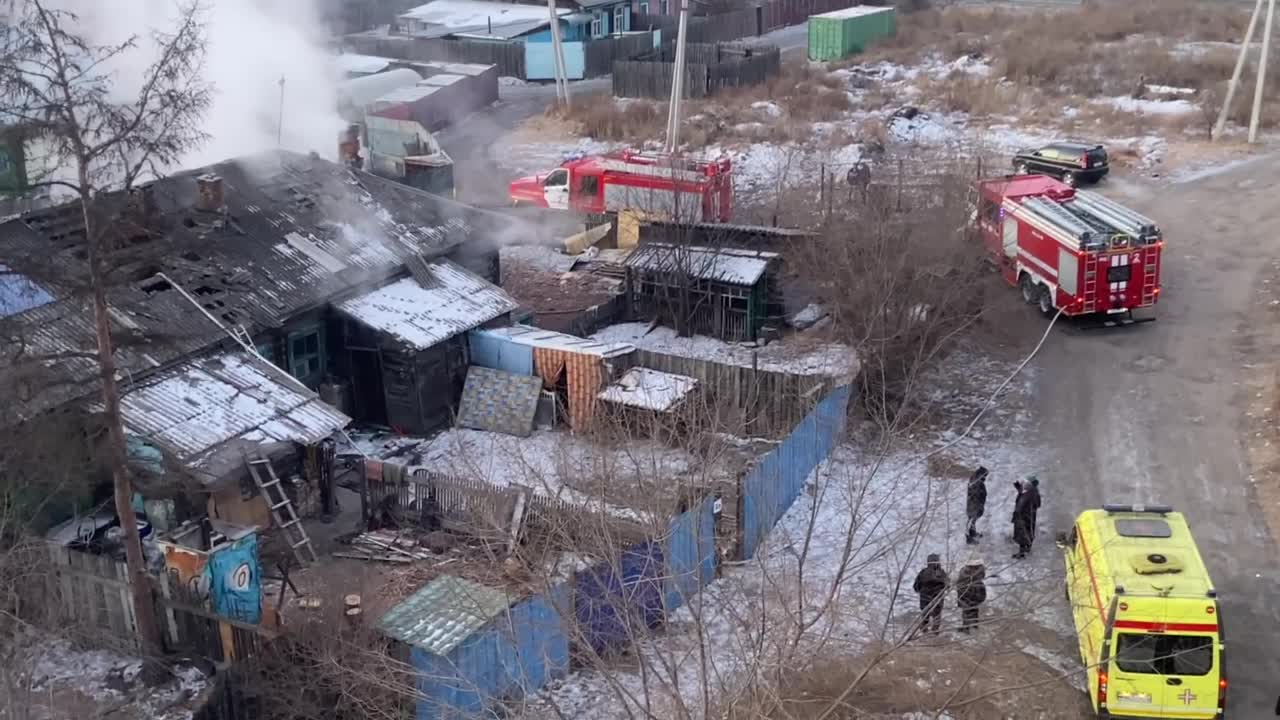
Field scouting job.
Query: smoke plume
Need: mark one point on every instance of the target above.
(252, 44)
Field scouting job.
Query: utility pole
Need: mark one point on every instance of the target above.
(280, 117)
(557, 48)
(677, 81)
(1235, 74)
(1262, 74)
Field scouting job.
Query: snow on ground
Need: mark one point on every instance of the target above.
(834, 576)
(64, 683)
(621, 480)
(762, 168)
(788, 356)
(1151, 107)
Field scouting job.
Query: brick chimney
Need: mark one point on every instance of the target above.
(210, 193)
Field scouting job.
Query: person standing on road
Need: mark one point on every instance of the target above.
(971, 592)
(1034, 489)
(931, 586)
(1022, 514)
(975, 504)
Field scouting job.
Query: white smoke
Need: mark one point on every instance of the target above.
(252, 44)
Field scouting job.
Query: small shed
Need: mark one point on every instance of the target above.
(472, 648)
(406, 341)
(650, 400)
(576, 369)
(722, 292)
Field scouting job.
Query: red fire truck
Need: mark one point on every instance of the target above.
(663, 185)
(1070, 250)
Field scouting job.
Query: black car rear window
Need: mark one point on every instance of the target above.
(1098, 155)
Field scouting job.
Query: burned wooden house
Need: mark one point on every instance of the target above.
(257, 306)
(722, 292)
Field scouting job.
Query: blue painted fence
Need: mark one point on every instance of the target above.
(539, 60)
(514, 655)
(777, 479)
(613, 601)
(690, 550)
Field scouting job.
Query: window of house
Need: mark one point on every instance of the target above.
(620, 17)
(306, 356)
(665, 5)
(644, 8)
(597, 24)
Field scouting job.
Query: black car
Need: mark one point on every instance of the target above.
(1070, 162)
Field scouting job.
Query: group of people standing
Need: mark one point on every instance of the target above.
(971, 590)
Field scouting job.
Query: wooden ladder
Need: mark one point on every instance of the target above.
(281, 509)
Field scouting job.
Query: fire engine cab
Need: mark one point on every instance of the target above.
(665, 186)
(1068, 249)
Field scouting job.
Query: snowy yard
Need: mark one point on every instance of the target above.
(53, 680)
(833, 580)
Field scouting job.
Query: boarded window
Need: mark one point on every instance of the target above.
(306, 356)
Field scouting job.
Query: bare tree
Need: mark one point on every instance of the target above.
(59, 83)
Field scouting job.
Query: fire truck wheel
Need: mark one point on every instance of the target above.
(1028, 289)
(1045, 302)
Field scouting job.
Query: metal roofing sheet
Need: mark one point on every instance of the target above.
(729, 265)
(356, 64)
(552, 340)
(441, 615)
(421, 317)
(473, 14)
(649, 389)
(195, 410)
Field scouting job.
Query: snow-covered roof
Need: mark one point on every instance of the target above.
(199, 410)
(552, 340)
(649, 389)
(481, 18)
(356, 64)
(729, 265)
(855, 11)
(456, 301)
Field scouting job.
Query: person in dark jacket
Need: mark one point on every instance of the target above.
(971, 592)
(975, 504)
(931, 585)
(1022, 515)
(1034, 489)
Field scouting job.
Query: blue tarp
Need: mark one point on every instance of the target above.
(235, 580)
(611, 606)
(19, 293)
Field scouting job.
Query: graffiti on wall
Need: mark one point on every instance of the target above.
(235, 582)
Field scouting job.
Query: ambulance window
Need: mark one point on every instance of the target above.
(1165, 654)
(1143, 528)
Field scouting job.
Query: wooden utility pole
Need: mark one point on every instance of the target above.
(677, 81)
(1262, 74)
(557, 49)
(1235, 74)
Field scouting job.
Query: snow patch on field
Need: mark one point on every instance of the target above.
(1151, 107)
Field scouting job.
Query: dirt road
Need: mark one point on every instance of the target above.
(1156, 413)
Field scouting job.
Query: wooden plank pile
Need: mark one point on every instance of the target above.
(386, 546)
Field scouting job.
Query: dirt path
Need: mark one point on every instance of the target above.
(1156, 413)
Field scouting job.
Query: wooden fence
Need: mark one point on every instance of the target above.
(91, 593)
(709, 69)
(741, 400)
(600, 54)
(507, 55)
(480, 509)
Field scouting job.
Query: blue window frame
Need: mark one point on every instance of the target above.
(268, 351)
(306, 353)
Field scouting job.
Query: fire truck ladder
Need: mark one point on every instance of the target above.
(1059, 218)
(1148, 276)
(281, 508)
(659, 171)
(1116, 215)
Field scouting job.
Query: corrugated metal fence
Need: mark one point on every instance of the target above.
(769, 488)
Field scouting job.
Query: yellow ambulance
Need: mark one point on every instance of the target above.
(1146, 614)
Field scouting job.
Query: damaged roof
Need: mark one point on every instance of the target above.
(208, 412)
(734, 266)
(292, 233)
(441, 615)
(449, 302)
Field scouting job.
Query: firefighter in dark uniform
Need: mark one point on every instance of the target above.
(931, 586)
